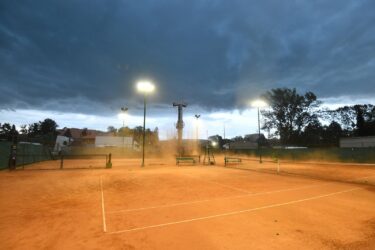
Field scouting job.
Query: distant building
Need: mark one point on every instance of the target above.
(61, 143)
(115, 141)
(357, 142)
(82, 137)
(248, 142)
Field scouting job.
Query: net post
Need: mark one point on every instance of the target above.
(62, 162)
(109, 162)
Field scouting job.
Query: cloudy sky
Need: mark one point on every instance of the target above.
(77, 61)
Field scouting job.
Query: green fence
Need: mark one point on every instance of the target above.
(358, 155)
(27, 153)
(4, 153)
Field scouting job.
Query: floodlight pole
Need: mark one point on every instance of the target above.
(144, 130)
(144, 87)
(259, 147)
(197, 133)
(180, 126)
(124, 110)
(123, 136)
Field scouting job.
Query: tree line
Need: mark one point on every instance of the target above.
(151, 136)
(43, 132)
(298, 119)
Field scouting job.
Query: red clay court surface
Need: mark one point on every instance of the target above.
(163, 206)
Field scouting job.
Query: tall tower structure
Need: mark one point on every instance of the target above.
(180, 126)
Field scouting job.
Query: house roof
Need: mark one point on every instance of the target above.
(77, 133)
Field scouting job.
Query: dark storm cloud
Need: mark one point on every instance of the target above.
(86, 55)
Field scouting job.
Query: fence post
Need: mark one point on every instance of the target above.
(109, 163)
(62, 162)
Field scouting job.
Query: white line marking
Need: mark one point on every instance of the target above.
(103, 209)
(214, 199)
(233, 213)
(330, 163)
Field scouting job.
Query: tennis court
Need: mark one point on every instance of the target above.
(163, 206)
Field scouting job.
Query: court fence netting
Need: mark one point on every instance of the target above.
(73, 161)
(27, 153)
(35, 156)
(359, 173)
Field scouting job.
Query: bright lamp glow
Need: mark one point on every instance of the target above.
(259, 103)
(145, 87)
(122, 116)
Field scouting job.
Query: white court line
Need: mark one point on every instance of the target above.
(214, 199)
(103, 209)
(330, 163)
(233, 213)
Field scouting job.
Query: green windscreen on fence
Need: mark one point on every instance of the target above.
(4, 153)
(27, 153)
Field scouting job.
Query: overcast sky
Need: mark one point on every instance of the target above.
(77, 61)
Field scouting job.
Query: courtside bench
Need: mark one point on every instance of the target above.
(185, 160)
(232, 160)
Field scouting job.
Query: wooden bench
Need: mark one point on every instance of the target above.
(232, 160)
(185, 160)
(196, 157)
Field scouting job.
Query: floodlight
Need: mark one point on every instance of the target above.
(145, 87)
(259, 103)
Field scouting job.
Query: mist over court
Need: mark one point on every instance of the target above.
(187, 124)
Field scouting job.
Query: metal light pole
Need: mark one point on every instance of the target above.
(197, 132)
(144, 130)
(144, 87)
(259, 148)
(124, 111)
(259, 104)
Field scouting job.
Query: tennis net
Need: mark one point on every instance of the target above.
(334, 171)
(81, 161)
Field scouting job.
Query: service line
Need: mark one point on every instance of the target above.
(233, 213)
(216, 199)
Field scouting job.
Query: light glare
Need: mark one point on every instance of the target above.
(259, 103)
(122, 116)
(145, 87)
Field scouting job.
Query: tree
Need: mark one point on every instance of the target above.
(48, 126)
(34, 129)
(8, 132)
(125, 131)
(312, 135)
(356, 120)
(112, 129)
(332, 134)
(23, 129)
(345, 116)
(138, 134)
(237, 138)
(290, 113)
